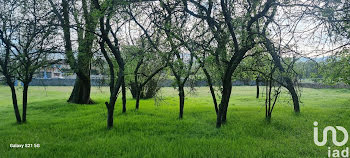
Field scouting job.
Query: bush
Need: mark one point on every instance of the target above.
(148, 91)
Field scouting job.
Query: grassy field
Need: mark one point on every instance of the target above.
(69, 130)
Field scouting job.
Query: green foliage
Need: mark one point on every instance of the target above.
(132, 55)
(258, 65)
(307, 69)
(149, 63)
(336, 69)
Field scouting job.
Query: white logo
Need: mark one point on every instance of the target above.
(334, 135)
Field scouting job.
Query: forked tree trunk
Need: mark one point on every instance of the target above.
(82, 86)
(113, 98)
(226, 93)
(182, 100)
(81, 91)
(224, 115)
(269, 99)
(110, 110)
(290, 85)
(25, 101)
(15, 103)
(139, 86)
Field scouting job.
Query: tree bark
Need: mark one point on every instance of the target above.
(269, 97)
(224, 115)
(82, 83)
(82, 87)
(290, 85)
(81, 91)
(293, 93)
(182, 100)
(138, 93)
(25, 101)
(109, 115)
(15, 103)
(226, 93)
(113, 98)
(81, 66)
(212, 91)
(124, 95)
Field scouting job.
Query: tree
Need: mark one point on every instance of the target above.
(85, 25)
(203, 66)
(27, 34)
(105, 13)
(262, 64)
(275, 53)
(108, 13)
(268, 98)
(144, 66)
(234, 35)
(175, 26)
(8, 66)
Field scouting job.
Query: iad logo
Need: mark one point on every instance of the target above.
(334, 135)
(334, 153)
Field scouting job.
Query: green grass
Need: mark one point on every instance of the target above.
(70, 130)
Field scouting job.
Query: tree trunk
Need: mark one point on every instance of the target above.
(15, 103)
(82, 87)
(113, 98)
(226, 93)
(212, 91)
(138, 94)
(110, 109)
(182, 100)
(224, 114)
(288, 81)
(124, 95)
(293, 93)
(25, 101)
(269, 97)
(226, 97)
(81, 91)
(257, 87)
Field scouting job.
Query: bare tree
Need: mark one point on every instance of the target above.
(27, 34)
(234, 26)
(8, 66)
